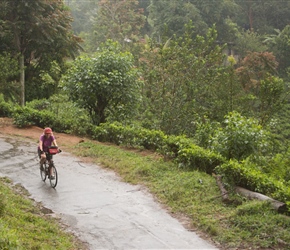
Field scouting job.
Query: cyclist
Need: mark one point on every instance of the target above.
(45, 141)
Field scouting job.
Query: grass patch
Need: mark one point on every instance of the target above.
(24, 226)
(242, 224)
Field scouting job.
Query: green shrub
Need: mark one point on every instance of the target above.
(41, 104)
(25, 116)
(249, 176)
(240, 138)
(129, 136)
(179, 148)
(108, 133)
(80, 126)
(149, 139)
(195, 157)
(205, 129)
(173, 144)
(187, 154)
(28, 116)
(279, 166)
(63, 115)
(6, 108)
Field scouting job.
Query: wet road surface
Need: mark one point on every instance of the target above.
(99, 208)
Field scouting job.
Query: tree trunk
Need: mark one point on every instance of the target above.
(278, 205)
(250, 14)
(22, 80)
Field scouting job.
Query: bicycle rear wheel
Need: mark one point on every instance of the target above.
(53, 176)
(43, 172)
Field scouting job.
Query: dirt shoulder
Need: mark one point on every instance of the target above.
(65, 141)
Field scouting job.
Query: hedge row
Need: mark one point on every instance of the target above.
(179, 148)
(26, 116)
(248, 176)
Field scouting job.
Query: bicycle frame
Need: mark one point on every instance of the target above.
(49, 170)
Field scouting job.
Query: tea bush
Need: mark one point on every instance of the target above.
(180, 148)
(240, 137)
(27, 117)
(173, 145)
(57, 112)
(6, 108)
(129, 136)
(195, 157)
(249, 176)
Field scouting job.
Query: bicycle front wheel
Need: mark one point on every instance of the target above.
(43, 172)
(53, 176)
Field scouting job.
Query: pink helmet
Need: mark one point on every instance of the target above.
(47, 130)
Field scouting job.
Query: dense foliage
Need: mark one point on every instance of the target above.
(203, 83)
(182, 77)
(106, 84)
(9, 69)
(261, 176)
(36, 33)
(240, 137)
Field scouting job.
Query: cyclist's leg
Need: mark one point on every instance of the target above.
(52, 171)
(49, 158)
(43, 172)
(42, 158)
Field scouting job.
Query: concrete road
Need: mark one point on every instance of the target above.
(99, 208)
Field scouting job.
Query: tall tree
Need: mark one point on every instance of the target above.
(216, 12)
(263, 16)
(119, 20)
(171, 16)
(266, 92)
(9, 69)
(38, 31)
(105, 84)
(82, 11)
(280, 45)
(185, 78)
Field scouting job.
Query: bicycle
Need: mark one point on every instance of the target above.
(48, 168)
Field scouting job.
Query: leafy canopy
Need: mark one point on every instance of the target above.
(119, 20)
(105, 84)
(36, 33)
(240, 137)
(9, 69)
(185, 77)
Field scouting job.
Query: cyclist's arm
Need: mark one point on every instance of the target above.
(41, 145)
(54, 143)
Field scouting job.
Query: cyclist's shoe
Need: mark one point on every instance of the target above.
(51, 177)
